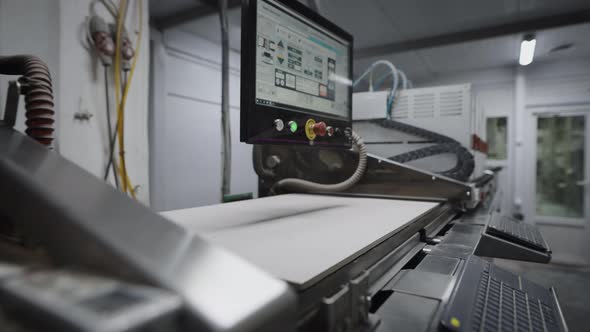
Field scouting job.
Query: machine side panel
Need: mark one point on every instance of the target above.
(82, 221)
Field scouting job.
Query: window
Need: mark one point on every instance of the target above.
(497, 138)
(560, 166)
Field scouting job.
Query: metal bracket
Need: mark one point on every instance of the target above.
(473, 197)
(348, 309)
(428, 240)
(336, 311)
(361, 301)
(83, 116)
(12, 97)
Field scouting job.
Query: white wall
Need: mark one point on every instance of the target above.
(186, 123)
(518, 93)
(493, 91)
(52, 29)
(558, 87)
(27, 31)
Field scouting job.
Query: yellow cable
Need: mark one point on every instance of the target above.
(117, 74)
(127, 185)
(131, 72)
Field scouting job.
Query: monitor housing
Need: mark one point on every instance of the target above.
(296, 76)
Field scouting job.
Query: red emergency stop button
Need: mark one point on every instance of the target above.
(320, 128)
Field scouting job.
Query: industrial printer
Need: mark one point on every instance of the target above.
(341, 239)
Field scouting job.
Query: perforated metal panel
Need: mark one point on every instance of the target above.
(449, 110)
(402, 107)
(451, 103)
(444, 109)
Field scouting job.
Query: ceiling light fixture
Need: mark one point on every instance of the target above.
(527, 50)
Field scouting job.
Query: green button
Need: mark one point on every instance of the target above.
(293, 126)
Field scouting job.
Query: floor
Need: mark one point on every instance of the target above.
(571, 283)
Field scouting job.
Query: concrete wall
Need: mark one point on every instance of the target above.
(53, 30)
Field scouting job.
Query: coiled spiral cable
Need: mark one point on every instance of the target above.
(38, 90)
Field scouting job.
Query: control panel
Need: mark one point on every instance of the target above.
(303, 130)
(296, 85)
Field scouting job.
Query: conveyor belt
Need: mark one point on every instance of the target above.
(301, 238)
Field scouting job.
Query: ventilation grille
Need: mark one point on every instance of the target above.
(424, 105)
(451, 103)
(401, 107)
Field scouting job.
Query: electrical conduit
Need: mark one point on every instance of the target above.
(225, 123)
(298, 185)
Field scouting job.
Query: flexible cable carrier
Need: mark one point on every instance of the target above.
(443, 144)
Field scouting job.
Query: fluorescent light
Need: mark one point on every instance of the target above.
(527, 51)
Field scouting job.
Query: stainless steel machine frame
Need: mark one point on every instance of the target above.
(81, 221)
(61, 207)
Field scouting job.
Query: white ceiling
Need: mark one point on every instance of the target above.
(379, 22)
(376, 22)
(161, 8)
(426, 64)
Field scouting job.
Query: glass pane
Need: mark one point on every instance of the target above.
(560, 166)
(497, 137)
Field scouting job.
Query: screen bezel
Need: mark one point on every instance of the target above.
(256, 120)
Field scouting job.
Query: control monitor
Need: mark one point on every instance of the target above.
(296, 76)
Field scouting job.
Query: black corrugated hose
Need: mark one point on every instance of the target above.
(465, 162)
(37, 87)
